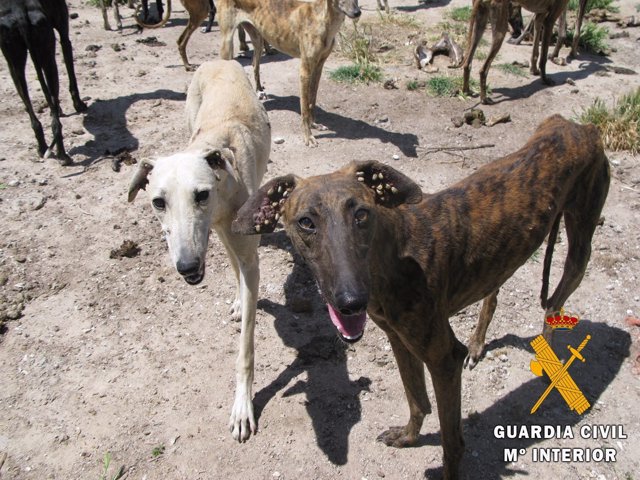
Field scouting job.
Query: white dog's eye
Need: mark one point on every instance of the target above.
(202, 197)
(158, 203)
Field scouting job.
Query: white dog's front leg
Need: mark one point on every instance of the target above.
(242, 422)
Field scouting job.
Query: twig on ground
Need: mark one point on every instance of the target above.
(426, 151)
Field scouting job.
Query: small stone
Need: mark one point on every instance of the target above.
(457, 121)
(396, 157)
(13, 183)
(278, 140)
(575, 90)
(503, 358)
(570, 81)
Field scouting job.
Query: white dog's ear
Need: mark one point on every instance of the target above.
(222, 159)
(140, 180)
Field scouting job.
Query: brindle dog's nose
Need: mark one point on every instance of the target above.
(351, 303)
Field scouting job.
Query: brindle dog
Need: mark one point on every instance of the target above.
(375, 242)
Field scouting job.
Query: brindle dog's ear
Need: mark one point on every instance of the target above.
(391, 187)
(140, 180)
(263, 209)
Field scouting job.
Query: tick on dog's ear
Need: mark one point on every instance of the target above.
(140, 180)
(222, 159)
(261, 212)
(391, 187)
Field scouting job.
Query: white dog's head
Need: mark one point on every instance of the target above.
(184, 191)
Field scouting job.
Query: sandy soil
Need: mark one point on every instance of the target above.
(122, 356)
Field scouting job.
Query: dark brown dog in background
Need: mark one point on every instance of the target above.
(377, 244)
(498, 11)
(27, 26)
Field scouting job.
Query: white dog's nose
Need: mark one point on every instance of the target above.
(187, 268)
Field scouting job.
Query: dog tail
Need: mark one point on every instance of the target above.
(162, 23)
(548, 255)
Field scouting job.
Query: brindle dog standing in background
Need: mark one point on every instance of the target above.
(376, 244)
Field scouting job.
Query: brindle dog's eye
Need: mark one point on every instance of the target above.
(361, 216)
(306, 224)
(158, 203)
(202, 197)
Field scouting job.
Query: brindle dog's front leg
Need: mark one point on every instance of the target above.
(413, 379)
(444, 357)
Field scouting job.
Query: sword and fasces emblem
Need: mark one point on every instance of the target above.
(547, 361)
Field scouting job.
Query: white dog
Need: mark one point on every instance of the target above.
(204, 186)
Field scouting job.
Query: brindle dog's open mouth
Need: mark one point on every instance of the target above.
(350, 327)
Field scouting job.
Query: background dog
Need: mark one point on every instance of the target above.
(27, 26)
(305, 30)
(203, 187)
(376, 244)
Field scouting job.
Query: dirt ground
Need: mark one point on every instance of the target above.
(121, 356)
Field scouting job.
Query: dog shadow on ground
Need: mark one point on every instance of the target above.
(106, 120)
(588, 65)
(484, 454)
(332, 399)
(348, 128)
(422, 4)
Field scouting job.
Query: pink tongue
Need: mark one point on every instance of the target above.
(350, 326)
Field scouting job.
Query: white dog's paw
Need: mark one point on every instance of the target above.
(241, 423)
(236, 310)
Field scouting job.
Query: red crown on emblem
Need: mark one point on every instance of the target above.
(562, 320)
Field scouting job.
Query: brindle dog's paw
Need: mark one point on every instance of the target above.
(473, 357)
(396, 437)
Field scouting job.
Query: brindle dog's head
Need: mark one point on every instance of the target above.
(331, 220)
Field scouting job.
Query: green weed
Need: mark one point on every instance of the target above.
(591, 4)
(106, 462)
(592, 37)
(460, 14)
(620, 125)
(157, 451)
(511, 69)
(357, 73)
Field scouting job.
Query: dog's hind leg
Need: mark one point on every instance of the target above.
(245, 250)
(498, 16)
(580, 221)
(258, 45)
(562, 35)
(105, 19)
(197, 14)
(477, 25)
(476, 343)
(313, 91)
(16, 55)
(44, 61)
(413, 379)
(62, 25)
(212, 15)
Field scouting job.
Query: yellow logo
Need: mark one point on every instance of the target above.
(547, 361)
